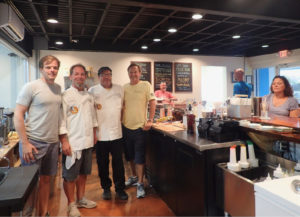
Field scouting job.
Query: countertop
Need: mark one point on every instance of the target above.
(17, 186)
(5, 149)
(278, 121)
(192, 140)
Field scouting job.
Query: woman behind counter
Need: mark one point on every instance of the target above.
(281, 101)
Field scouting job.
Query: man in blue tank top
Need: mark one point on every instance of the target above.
(241, 87)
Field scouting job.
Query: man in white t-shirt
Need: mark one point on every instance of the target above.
(39, 143)
(78, 136)
(109, 102)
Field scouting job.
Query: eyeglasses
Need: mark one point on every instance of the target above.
(106, 75)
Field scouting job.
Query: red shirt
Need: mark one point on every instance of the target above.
(165, 95)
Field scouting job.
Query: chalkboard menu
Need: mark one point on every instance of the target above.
(145, 69)
(163, 73)
(183, 77)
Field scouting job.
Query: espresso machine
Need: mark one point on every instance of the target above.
(4, 127)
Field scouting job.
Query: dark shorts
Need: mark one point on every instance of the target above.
(82, 166)
(135, 143)
(46, 158)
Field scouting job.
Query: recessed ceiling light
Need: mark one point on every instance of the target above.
(236, 36)
(172, 30)
(59, 43)
(197, 16)
(196, 49)
(265, 46)
(144, 47)
(51, 20)
(156, 39)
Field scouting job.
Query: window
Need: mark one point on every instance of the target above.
(293, 76)
(14, 74)
(213, 83)
(263, 79)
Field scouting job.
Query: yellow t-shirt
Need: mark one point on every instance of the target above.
(136, 98)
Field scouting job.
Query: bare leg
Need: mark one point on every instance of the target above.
(69, 188)
(80, 186)
(140, 172)
(132, 166)
(44, 191)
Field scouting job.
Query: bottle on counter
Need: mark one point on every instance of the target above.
(278, 173)
(297, 168)
(190, 120)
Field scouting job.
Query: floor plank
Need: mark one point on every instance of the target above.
(151, 205)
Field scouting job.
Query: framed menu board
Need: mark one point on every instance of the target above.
(183, 77)
(145, 69)
(163, 73)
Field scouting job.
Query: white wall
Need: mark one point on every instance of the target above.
(119, 62)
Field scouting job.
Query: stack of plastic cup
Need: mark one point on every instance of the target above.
(243, 157)
(252, 160)
(232, 164)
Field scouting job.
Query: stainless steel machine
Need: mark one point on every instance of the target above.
(4, 127)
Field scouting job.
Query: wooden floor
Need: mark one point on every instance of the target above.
(151, 205)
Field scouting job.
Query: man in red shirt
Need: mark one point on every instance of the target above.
(163, 93)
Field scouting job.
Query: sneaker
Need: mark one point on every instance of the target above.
(106, 194)
(73, 211)
(140, 192)
(122, 195)
(86, 203)
(132, 180)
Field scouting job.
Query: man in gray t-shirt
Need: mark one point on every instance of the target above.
(40, 100)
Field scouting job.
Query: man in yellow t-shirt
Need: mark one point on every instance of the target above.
(138, 95)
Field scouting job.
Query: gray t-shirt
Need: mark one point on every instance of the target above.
(43, 101)
(284, 110)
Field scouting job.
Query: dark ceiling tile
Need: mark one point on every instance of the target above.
(262, 22)
(239, 20)
(162, 12)
(219, 28)
(145, 21)
(214, 17)
(240, 29)
(197, 26)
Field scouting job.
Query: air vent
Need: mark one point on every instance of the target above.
(10, 23)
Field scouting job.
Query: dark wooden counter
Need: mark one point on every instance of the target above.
(279, 121)
(293, 136)
(181, 166)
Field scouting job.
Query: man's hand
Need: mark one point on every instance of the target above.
(148, 125)
(66, 148)
(28, 149)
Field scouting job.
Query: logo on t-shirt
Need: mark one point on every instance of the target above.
(98, 106)
(74, 109)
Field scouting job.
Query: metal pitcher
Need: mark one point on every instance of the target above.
(256, 103)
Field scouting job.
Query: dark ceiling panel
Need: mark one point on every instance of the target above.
(240, 29)
(146, 21)
(220, 27)
(124, 25)
(214, 17)
(197, 25)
